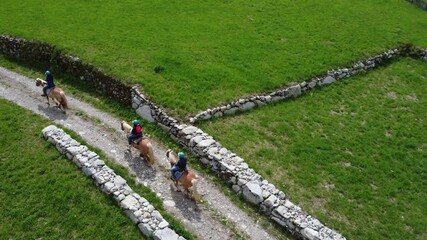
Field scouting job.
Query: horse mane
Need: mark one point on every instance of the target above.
(171, 156)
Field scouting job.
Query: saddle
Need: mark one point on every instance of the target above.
(138, 140)
(49, 90)
(178, 174)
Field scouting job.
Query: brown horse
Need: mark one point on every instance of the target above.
(56, 94)
(188, 179)
(144, 146)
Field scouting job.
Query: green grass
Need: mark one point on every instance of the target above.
(88, 94)
(44, 195)
(353, 154)
(215, 51)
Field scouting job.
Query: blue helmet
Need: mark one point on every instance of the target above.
(47, 72)
(135, 122)
(181, 155)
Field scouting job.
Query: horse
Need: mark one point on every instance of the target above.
(144, 145)
(188, 179)
(57, 94)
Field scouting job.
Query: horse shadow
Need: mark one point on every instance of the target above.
(188, 207)
(52, 112)
(140, 166)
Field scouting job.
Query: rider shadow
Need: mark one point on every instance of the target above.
(190, 210)
(52, 112)
(140, 166)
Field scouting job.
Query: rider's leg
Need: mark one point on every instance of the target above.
(44, 91)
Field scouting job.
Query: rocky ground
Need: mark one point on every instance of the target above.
(102, 131)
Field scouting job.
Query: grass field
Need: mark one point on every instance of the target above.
(44, 195)
(215, 51)
(353, 154)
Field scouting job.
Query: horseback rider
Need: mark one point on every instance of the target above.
(50, 83)
(180, 166)
(135, 133)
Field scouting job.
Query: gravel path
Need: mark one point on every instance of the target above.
(101, 130)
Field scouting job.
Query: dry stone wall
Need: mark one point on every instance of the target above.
(420, 3)
(150, 222)
(51, 57)
(242, 179)
(245, 104)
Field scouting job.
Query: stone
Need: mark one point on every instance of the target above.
(145, 112)
(252, 192)
(189, 130)
(128, 202)
(108, 186)
(231, 111)
(309, 233)
(295, 91)
(99, 163)
(118, 180)
(195, 140)
(328, 80)
(131, 215)
(236, 188)
(270, 201)
(165, 234)
(163, 224)
(46, 131)
(145, 229)
(246, 106)
(88, 171)
(157, 215)
(205, 143)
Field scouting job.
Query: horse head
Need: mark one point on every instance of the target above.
(121, 125)
(39, 82)
(171, 156)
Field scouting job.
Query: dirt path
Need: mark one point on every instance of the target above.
(101, 131)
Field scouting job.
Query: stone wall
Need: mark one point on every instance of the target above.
(420, 3)
(52, 57)
(244, 180)
(233, 169)
(150, 222)
(245, 104)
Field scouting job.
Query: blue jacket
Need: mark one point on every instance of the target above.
(49, 80)
(182, 163)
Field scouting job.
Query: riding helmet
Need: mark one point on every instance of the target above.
(47, 72)
(181, 155)
(135, 122)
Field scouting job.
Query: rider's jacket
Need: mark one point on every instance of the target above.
(182, 163)
(137, 130)
(49, 80)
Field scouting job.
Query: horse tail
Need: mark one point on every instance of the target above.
(195, 193)
(151, 153)
(64, 101)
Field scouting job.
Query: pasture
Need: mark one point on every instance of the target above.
(353, 154)
(44, 195)
(194, 55)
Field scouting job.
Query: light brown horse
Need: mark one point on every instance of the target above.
(188, 179)
(144, 146)
(56, 94)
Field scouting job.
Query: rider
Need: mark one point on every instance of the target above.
(50, 84)
(180, 166)
(136, 132)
